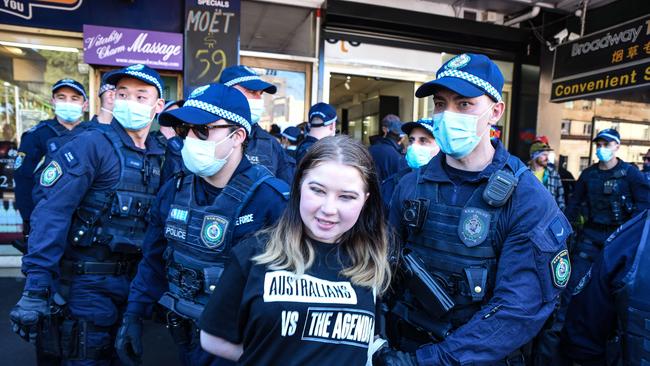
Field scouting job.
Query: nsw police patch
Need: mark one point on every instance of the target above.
(51, 174)
(19, 160)
(561, 269)
(474, 226)
(213, 231)
(458, 62)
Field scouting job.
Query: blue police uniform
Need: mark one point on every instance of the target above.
(97, 191)
(265, 150)
(389, 184)
(304, 146)
(611, 301)
(194, 225)
(503, 286)
(607, 198)
(33, 147)
(484, 264)
(388, 158)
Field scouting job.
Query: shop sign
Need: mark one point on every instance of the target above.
(123, 47)
(211, 40)
(613, 59)
(24, 8)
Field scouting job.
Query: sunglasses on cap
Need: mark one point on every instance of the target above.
(201, 131)
(646, 158)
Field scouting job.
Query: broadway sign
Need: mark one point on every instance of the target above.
(613, 59)
(123, 47)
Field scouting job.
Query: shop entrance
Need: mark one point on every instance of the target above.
(362, 101)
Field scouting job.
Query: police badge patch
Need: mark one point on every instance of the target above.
(19, 160)
(474, 226)
(561, 269)
(458, 61)
(51, 174)
(213, 231)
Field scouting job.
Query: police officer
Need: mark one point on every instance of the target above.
(173, 144)
(70, 102)
(321, 123)
(386, 152)
(291, 137)
(88, 229)
(106, 102)
(611, 303)
(199, 218)
(607, 194)
(646, 165)
(486, 264)
(422, 147)
(263, 148)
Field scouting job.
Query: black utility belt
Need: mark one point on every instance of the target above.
(602, 227)
(82, 267)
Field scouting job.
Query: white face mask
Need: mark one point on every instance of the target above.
(68, 112)
(132, 115)
(199, 156)
(257, 108)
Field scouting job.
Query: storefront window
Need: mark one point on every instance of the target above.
(27, 74)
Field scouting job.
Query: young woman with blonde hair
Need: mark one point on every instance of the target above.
(304, 291)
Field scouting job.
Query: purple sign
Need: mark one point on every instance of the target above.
(123, 47)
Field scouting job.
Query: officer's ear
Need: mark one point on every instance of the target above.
(239, 136)
(84, 106)
(497, 111)
(159, 106)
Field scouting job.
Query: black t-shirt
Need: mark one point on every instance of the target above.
(320, 318)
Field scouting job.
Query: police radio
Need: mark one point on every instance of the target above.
(500, 187)
(415, 212)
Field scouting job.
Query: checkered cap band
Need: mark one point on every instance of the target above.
(241, 80)
(70, 84)
(473, 79)
(149, 78)
(322, 116)
(289, 137)
(610, 136)
(106, 87)
(210, 108)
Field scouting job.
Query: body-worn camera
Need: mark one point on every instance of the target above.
(415, 212)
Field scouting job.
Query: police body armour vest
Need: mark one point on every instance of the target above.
(633, 304)
(609, 197)
(118, 217)
(200, 239)
(460, 245)
(260, 151)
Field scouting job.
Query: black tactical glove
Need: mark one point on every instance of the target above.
(387, 356)
(128, 342)
(28, 312)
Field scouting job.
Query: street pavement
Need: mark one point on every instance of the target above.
(158, 346)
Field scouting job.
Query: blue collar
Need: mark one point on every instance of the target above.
(152, 147)
(436, 169)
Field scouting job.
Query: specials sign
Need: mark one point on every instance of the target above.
(123, 47)
(613, 59)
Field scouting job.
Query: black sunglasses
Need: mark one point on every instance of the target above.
(201, 131)
(646, 158)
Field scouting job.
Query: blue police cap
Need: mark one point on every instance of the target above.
(426, 123)
(608, 135)
(470, 75)
(321, 114)
(105, 85)
(246, 77)
(72, 84)
(210, 103)
(141, 72)
(291, 133)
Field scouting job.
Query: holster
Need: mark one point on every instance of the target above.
(426, 290)
(48, 340)
(180, 328)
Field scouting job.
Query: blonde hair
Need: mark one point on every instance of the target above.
(366, 243)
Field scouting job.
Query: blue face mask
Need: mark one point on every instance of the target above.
(455, 133)
(604, 154)
(417, 156)
(68, 112)
(257, 108)
(132, 115)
